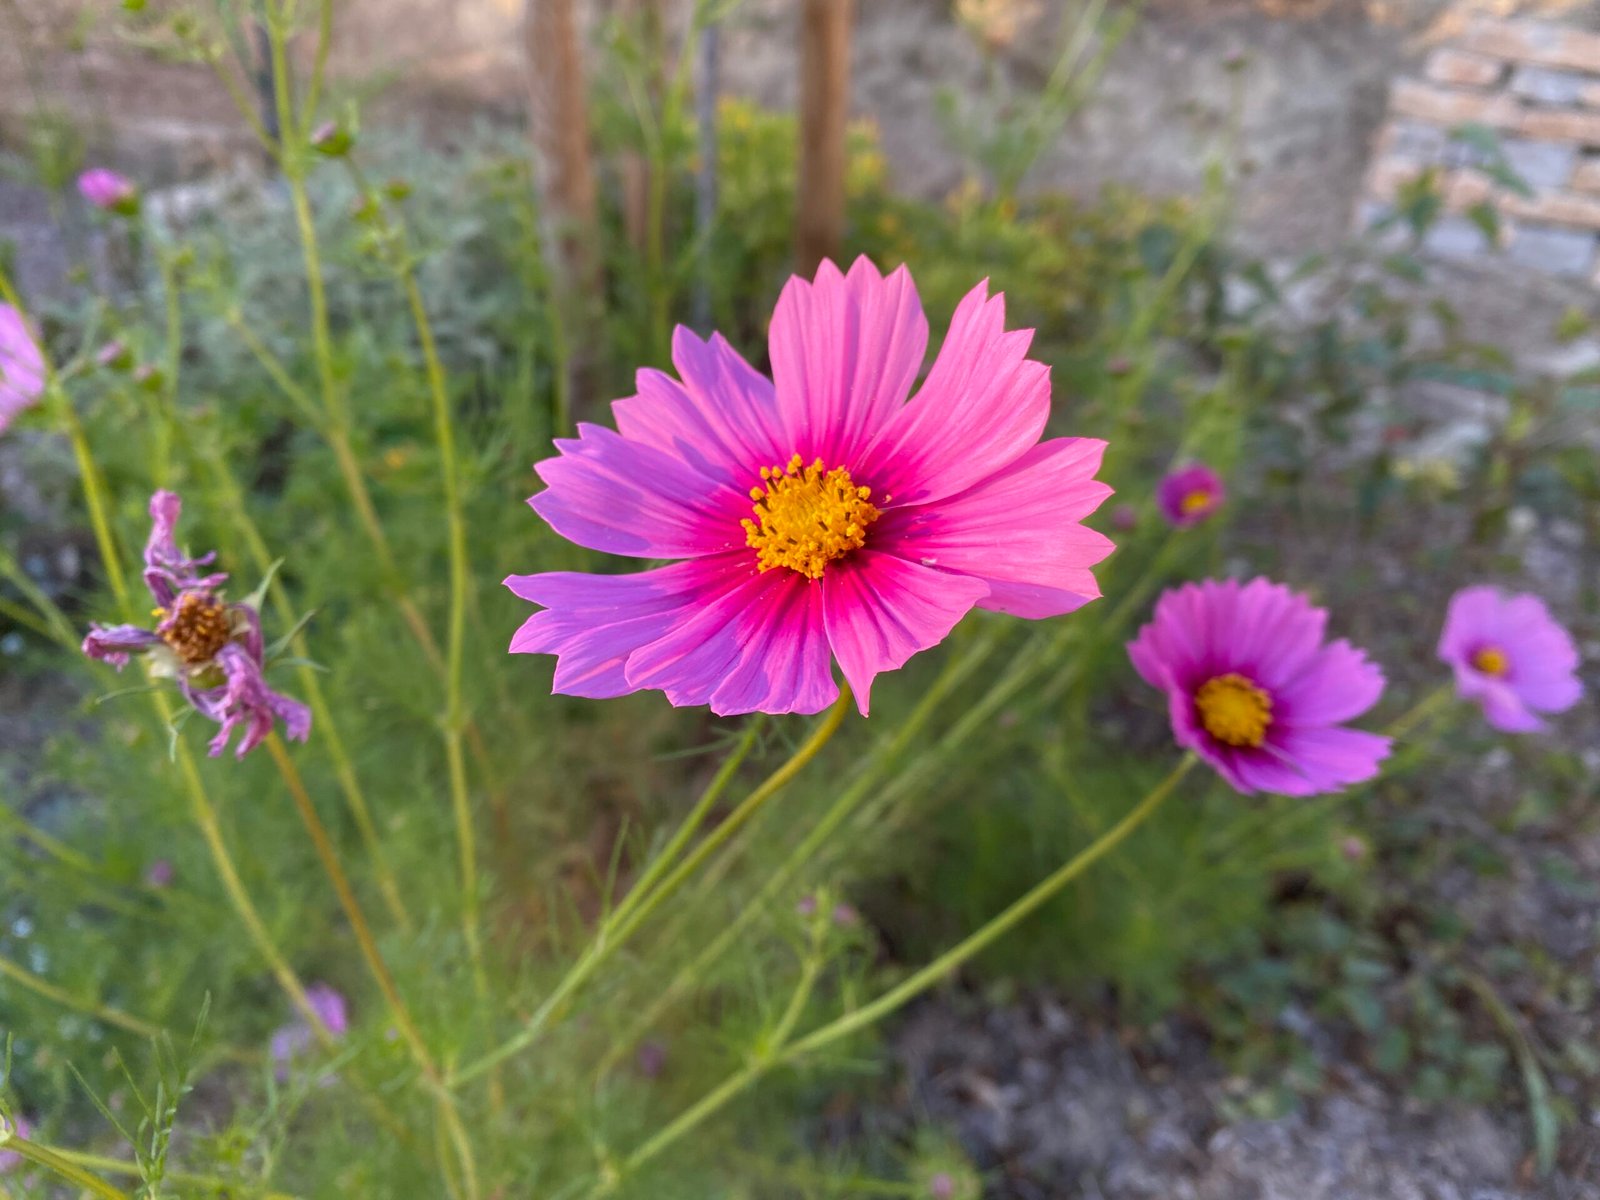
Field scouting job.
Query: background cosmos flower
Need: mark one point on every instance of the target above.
(290, 1041)
(212, 648)
(105, 188)
(1253, 691)
(820, 514)
(1190, 495)
(21, 366)
(10, 1160)
(1510, 657)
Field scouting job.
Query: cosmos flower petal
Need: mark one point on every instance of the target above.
(1338, 684)
(797, 499)
(846, 350)
(1189, 495)
(21, 366)
(1049, 488)
(114, 643)
(722, 420)
(621, 496)
(1252, 691)
(1510, 656)
(757, 644)
(881, 609)
(1331, 757)
(245, 701)
(786, 665)
(982, 406)
(593, 622)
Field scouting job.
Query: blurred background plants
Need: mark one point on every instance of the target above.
(135, 1009)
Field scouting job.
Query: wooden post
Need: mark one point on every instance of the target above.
(558, 124)
(705, 183)
(824, 110)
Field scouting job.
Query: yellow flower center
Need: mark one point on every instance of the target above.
(806, 517)
(1196, 501)
(198, 629)
(1491, 660)
(1234, 710)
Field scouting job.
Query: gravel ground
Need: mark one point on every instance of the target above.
(1051, 1105)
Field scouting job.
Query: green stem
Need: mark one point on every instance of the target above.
(58, 995)
(62, 1166)
(117, 1166)
(368, 944)
(915, 984)
(692, 822)
(613, 934)
(956, 671)
(54, 624)
(455, 640)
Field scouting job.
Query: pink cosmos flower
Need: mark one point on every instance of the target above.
(212, 648)
(21, 366)
(10, 1160)
(1252, 689)
(1510, 656)
(1190, 495)
(106, 189)
(820, 515)
(294, 1039)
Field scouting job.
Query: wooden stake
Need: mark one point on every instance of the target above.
(558, 124)
(824, 110)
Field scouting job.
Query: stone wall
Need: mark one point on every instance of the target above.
(1536, 85)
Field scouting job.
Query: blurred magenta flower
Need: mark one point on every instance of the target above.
(113, 354)
(1190, 495)
(21, 366)
(294, 1039)
(212, 648)
(106, 189)
(1510, 656)
(1253, 691)
(158, 874)
(10, 1160)
(821, 514)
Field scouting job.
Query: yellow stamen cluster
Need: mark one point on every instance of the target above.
(1491, 660)
(806, 517)
(1196, 501)
(1234, 710)
(198, 629)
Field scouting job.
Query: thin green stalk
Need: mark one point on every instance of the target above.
(93, 484)
(52, 622)
(117, 1166)
(955, 672)
(692, 822)
(82, 1004)
(613, 934)
(48, 1158)
(319, 68)
(455, 640)
(25, 617)
(205, 816)
(914, 985)
(373, 957)
(327, 727)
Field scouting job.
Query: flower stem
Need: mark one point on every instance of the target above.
(884, 757)
(54, 623)
(104, 1012)
(329, 856)
(62, 1166)
(613, 933)
(692, 822)
(915, 984)
(116, 1166)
